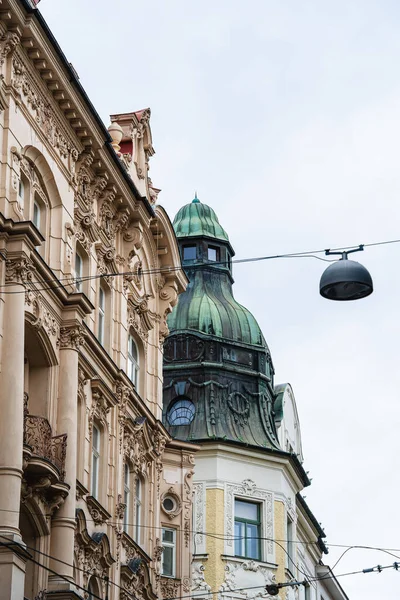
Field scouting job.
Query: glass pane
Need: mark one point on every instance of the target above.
(168, 536)
(189, 252)
(181, 413)
(96, 436)
(246, 510)
(168, 561)
(36, 214)
(240, 542)
(212, 253)
(253, 543)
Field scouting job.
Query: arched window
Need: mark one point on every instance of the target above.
(133, 361)
(138, 510)
(93, 589)
(127, 498)
(181, 412)
(96, 447)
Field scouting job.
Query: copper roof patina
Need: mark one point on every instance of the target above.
(197, 219)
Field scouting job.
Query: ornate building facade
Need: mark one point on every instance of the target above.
(253, 528)
(95, 495)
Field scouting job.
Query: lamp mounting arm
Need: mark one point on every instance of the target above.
(344, 253)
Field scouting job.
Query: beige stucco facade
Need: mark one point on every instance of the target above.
(89, 270)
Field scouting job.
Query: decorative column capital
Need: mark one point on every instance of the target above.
(19, 270)
(8, 41)
(71, 337)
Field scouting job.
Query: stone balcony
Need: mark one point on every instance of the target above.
(44, 459)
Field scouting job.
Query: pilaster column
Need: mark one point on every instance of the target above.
(12, 570)
(63, 524)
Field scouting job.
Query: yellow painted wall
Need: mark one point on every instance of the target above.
(280, 534)
(214, 567)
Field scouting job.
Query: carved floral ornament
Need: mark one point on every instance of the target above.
(71, 337)
(43, 318)
(19, 270)
(8, 41)
(92, 552)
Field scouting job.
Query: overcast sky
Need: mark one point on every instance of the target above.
(284, 115)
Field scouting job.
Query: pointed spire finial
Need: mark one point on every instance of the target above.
(196, 198)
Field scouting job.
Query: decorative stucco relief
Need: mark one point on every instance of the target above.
(199, 518)
(23, 82)
(246, 580)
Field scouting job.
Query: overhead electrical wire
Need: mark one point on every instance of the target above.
(165, 270)
(310, 579)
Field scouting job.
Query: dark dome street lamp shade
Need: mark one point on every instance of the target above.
(345, 280)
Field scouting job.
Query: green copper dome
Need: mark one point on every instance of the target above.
(208, 307)
(196, 219)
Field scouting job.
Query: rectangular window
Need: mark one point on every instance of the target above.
(95, 461)
(247, 529)
(213, 253)
(133, 361)
(36, 214)
(127, 497)
(189, 253)
(138, 510)
(290, 545)
(169, 552)
(102, 315)
(78, 272)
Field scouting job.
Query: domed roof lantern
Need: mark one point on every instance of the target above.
(197, 219)
(345, 279)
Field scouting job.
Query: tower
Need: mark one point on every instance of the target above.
(219, 392)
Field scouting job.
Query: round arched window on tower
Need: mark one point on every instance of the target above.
(181, 412)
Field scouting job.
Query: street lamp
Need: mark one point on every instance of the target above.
(345, 279)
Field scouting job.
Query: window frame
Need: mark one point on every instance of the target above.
(217, 253)
(101, 314)
(95, 466)
(78, 271)
(189, 247)
(174, 407)
(172, 545)
(127, 497)
(257, 523)
(133, 364)
(138, 510)
(290, 558)
(36, 221)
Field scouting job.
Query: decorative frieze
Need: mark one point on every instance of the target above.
(42, 111)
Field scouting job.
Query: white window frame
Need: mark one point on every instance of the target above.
(133, 361)
(96, 448)
(138, 509)
(169, 545)
(127, 497)
(101, 315)
(290, 557)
